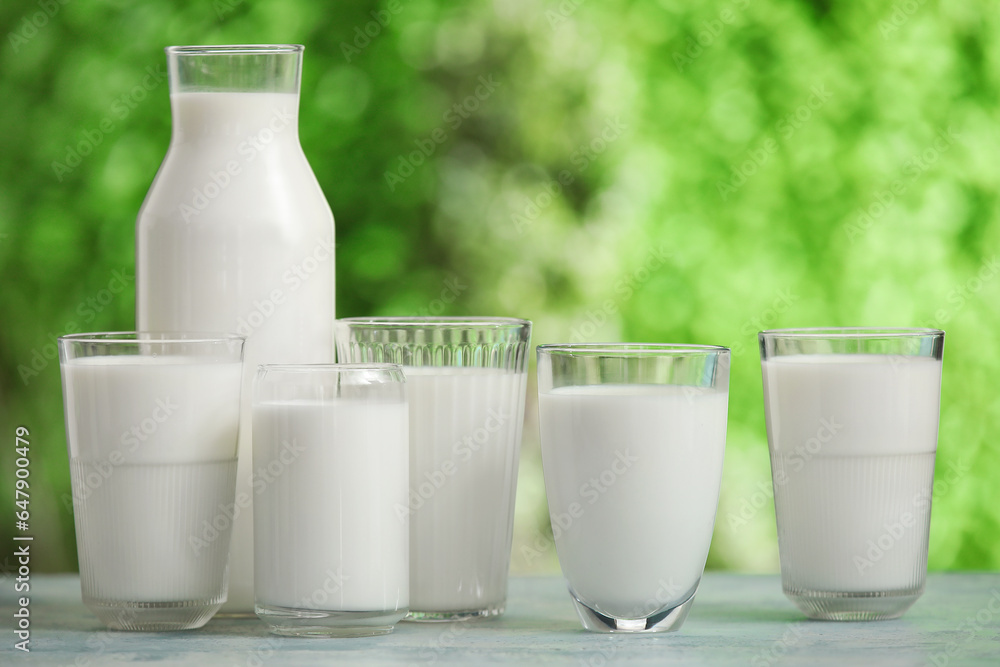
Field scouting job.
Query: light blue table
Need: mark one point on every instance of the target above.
(736, 620)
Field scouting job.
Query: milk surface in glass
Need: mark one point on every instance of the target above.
(632, 475)
(235, 235)
(153, 465)
(465, 434)
(853, 438)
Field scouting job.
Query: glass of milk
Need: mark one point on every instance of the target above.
(852, 423)
(152, 422)
(331, 467)
(633, 437)
(465, 384)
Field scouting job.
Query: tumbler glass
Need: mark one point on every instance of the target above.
(152, 421)
(331, 473)
(852, 423)
(465, 383)
(633, 437)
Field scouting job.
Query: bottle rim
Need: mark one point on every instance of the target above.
(629, 350)
(444, 322)
(329, 368)
(159, 337)
(849, 333)
(235, 49)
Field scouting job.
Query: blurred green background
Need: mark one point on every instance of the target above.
(639, 171)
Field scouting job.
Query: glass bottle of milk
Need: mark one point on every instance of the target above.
(236, 235)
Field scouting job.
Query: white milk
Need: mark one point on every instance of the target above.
(852, 453)
(236, 236)
(152, 444)
(465, 436)
(135, 529)
(632, 475)
(328, 478)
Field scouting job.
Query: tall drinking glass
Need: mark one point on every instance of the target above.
(852, 423)
(331, 452)
(465, 384)
(633, 437)
(151, 424)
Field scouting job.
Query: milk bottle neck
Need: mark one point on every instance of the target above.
(254, 118)
(234, 94)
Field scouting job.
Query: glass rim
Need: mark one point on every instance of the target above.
(850, 332)
(628, 349)
(420, 322)
(234, 49)
(329, 367)
(125, 337)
